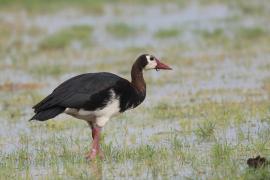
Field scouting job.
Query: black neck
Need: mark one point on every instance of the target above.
(137, 77)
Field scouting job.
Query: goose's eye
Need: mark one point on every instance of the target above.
(151, 58)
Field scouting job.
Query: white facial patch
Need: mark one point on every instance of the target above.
(151, 64)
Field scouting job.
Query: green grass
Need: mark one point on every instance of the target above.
(167, 33)
(245, 37)
(90, 6)
(221, 153)
(262, 173)
(252, 33)
(166, 111)
(215, 34)
(250, 8)
(40, 6)
(205, 130)
(64, 38)
(52, 150)
(197, 122)
(121, 30)
(48, 70)
(216, 37)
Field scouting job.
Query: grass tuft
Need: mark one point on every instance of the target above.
(40, 6)
(64, 38)
(251, 32)
(205, 130)
(121, 30)
(220, 153)
(167, 33)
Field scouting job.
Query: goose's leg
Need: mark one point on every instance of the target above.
(95, 150)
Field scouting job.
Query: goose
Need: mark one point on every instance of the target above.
(96, 97)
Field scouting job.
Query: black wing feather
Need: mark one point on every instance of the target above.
(80, 91)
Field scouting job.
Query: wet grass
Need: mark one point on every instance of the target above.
(252, 33)
(45, 70)
(202, 120)
(91, 6)
(73, 36)
(167, 33)
(39, 6)
(205, 130)
(6, 33)
(216, 35)
(52, 149)
(220, 154)
(121, 30)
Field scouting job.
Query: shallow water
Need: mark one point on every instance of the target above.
(200, 75)
(148, 19)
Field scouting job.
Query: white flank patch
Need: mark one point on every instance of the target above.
(71, 111)
(150, 64)
(101, 121)
(101, 116)
(110, 109)
(83, 112)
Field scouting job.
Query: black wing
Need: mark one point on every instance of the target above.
(87, 91)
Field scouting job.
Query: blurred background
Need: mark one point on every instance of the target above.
(204, 118)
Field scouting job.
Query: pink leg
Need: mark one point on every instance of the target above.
(95, 150)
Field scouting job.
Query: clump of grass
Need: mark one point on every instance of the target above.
(38, 6)
(35, 31)
(65, 37)
(220, 153)
(262, 173)
(205, 130)
(5, 35)
(213, 37)
(146, 156)
(121, 30)
(251, 32)
(216, 33)
(60, 124)
(251, 7)
(260, 145)
(56, 125)
(141, 153)
(176, 143)
(166, 111)
(48, 70)
(134, 50)
(167, 33)
(178, 148)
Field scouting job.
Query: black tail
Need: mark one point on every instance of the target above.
(48, 113)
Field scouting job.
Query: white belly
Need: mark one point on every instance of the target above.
(99, 116)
